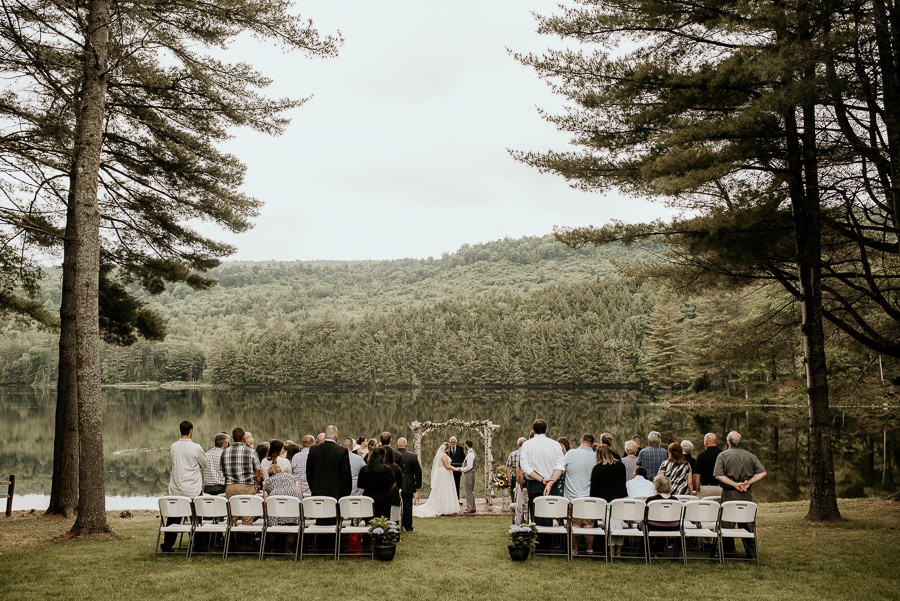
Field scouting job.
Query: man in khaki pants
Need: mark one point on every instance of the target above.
(240, 464)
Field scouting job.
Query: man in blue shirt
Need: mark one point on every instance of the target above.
(579, 462)
(652, 456)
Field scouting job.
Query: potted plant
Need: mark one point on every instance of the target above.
(385, 536)
(522, 538)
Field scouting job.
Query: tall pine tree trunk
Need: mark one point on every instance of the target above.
(89, 133)
(64, 488)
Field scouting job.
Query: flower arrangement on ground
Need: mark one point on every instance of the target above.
(523, 536)
(498, 480)
(384, 531)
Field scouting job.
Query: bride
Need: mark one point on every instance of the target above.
(443, 499)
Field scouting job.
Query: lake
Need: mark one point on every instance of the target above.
(139, 426)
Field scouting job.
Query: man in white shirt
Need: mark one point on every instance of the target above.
(298, 464)
(186, 480)
(541, 461)
(468, 477)
(356, 464)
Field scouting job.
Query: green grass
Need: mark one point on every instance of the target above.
(457, 558)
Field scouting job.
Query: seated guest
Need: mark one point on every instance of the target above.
(639, 486)
(677, 471)
(280, 482)
(273, 455)
(376, 480)
(630, 458)
(663, 491)
(213, 477)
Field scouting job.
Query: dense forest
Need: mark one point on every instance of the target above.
(509, 313)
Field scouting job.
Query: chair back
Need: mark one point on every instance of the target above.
(211, 507)
(175, 507)
(246, 506)
(589, 508)
(283, 506)
(551, 507)
(317, 508)
(740, 512)
(701, 511)
(357, 507)
(629, 510)
(664, 510)
(686, 498)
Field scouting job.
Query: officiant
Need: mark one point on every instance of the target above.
(457, 457)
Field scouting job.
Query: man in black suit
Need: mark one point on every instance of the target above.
(412, 482)
(328, 468)
(386, 439)
(457, 457)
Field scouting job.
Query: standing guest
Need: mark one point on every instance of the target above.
(607, 439)
(412, 482)
(213, 478)
(298, 464)
(516, 480)
(320, 438)
(328, 467)
(541, 460)
(262, 451)
(376, 480)
(677, 471)
(688, 447)
(578, 464)
(639, 486)
(356, 464)
(608, 482)
(630, 459)
(468, 477)
(636, 439)
(652, 456)
(738, 470)
(396, 501)
(273, 456)
(561, 483)
(363, 446)
(240, 465)
(291, 449)
(386, 439)
(457, 456)
(186, 480)
(565, 444)
(704, 481)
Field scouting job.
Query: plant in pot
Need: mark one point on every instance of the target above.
(522, 539)
(385, 536)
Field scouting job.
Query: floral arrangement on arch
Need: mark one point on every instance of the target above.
(384, 531)
(499, 481)
(523, 536)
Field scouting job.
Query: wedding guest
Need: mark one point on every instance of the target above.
(636, 439)
(356, 464)
(362, 446)
(298, 463)
(273, 455)
(663, 491)
(376, 479)
(677, 471)
(651, 456)
(328, 467)
(705, 482)
(186, 479)
(578, 464)
(541, 460)
(688, 447)
(280, 482)
(630, 458)
(240, 465)
(396, 502)
(607, 439)
(213, 478)
(262, 451)
(386, 439)
(320, 438)
(412, 482)
(608, 482)
(291, 448)
(639, 486)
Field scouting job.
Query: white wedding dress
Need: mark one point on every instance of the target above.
(443, 499)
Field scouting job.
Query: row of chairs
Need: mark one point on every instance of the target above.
(697, 520)
(218, 518)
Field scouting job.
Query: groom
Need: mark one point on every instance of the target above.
(468, 477)
(457, 456)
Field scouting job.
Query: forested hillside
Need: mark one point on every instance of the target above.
(525, 312)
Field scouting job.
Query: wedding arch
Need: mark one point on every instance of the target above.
(485, 429)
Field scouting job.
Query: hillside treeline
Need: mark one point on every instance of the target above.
(525, 312)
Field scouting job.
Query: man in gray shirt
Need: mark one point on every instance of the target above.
(737, 470)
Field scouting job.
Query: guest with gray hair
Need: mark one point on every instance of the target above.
(688, 447)
(630, 458)
(652, 456)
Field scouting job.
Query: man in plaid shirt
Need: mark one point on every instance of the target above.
(240, 464)
(213, 477)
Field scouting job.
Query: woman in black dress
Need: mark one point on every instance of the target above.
(376, 479)
(608, 482)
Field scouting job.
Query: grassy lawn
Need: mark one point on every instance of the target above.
(461, 557)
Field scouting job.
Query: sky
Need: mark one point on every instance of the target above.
(402, 151)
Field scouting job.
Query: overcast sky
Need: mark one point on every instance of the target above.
(402, 151)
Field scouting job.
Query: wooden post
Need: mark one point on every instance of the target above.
(9, 493)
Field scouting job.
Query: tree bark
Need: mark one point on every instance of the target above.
(64, 487)
(88, 137)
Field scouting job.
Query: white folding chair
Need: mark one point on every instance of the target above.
(686, 498)
(555, 508)
(593, 509)
(213, 519)
(624, 520)
(242, 507)
(738, 520)
(283, 506)
(663, 510)
(699, 521)
(320, 508)
(355, 510)
(171, 508)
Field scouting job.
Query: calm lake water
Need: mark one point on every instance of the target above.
(140, 425)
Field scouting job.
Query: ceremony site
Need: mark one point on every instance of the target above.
(473, 300)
